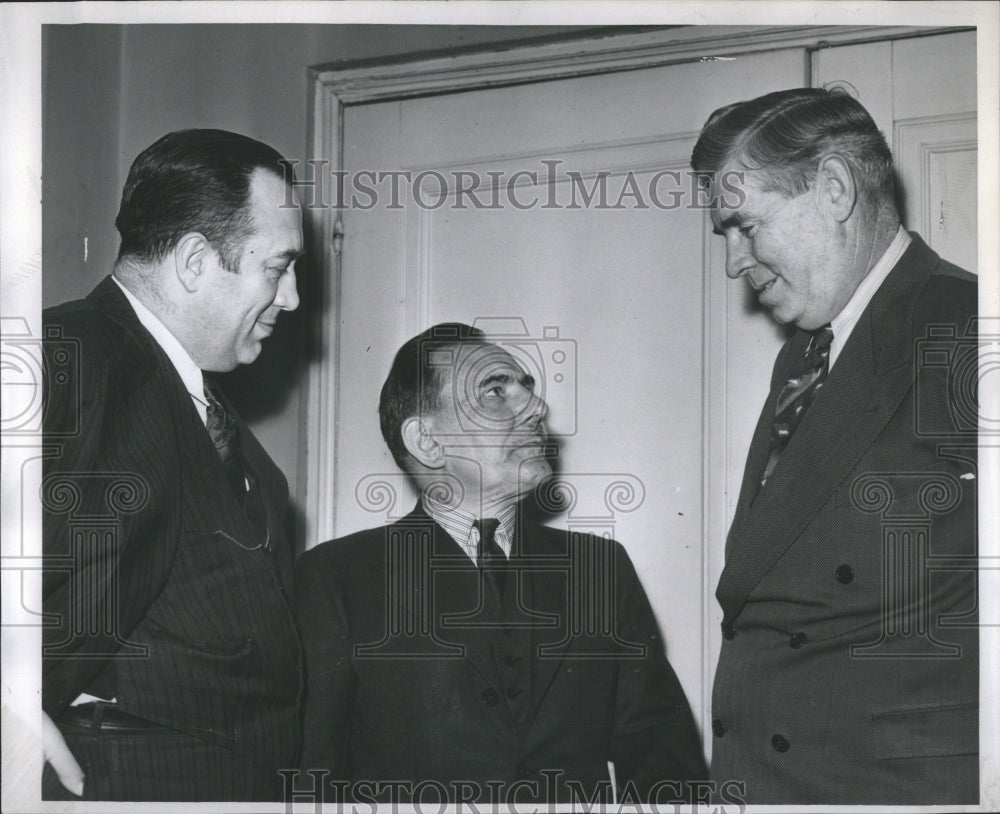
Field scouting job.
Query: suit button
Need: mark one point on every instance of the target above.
(780, 743)
(718, 728)
(490, 697)
(844, 573)
(798, 640)
(728, 631)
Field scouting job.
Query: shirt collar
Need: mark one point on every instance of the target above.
(458, 523)
(189, 372)
(843, 324)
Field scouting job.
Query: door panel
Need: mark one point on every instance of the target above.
(664, 363)
(922, 94)
(622, 289)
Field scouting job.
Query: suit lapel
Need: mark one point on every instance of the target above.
(463, 613)
(864, 390)
(152, 376)
(760, 445)
(139, 354)
(545, 603)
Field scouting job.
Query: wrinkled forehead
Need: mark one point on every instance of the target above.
(470, 365)
(486, 353)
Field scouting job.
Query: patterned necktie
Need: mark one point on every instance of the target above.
(489, 556)
(225, 434)
(221, 427)
(798, 393)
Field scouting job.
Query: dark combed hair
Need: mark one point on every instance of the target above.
(192, 181)
(785, 134)
(413, 386)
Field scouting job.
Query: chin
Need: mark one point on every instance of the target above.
(533, 473)
(248, 355)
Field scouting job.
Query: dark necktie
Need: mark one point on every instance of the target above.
(489, 556)
(221, 427)
(225, 434)
(798, 393)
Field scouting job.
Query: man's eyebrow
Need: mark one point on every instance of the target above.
(291, 255)
(734, 218)
(495, 378)
(526, 380)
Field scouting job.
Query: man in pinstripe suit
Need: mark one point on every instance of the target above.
(171, 666)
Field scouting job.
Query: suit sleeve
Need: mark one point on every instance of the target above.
(329, 671)
(655, 738)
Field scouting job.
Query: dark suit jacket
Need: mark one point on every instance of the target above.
(849, 666)
(403, 683)
(156, 588)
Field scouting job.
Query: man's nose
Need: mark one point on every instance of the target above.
(287, 297)
(535, 408)
(739, 257)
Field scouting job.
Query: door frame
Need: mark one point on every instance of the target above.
(334, 88)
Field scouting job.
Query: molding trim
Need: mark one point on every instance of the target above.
(335, 87)
(915, 142)
(603, 54)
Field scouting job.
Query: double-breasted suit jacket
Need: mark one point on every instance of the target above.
(849, 663)
(160, 591)
(417, 673)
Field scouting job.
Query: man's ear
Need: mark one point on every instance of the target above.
(190, 256)
(836, 187)
(421, 443)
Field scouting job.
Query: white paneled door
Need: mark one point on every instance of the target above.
(559, 215)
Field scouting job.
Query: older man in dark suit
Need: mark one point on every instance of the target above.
(466, 652)
(172, 667)
(849, 667)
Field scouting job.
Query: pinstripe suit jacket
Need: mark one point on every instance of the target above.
(157, 590)
(849, 666)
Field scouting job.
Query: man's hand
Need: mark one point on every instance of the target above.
(57, 753)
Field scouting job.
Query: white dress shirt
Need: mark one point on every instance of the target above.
(189, 372)
(844, 322)
(458, 524)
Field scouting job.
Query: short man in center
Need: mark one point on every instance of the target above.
(467, 646)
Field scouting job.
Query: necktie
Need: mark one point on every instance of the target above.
(489, 556)
(798, 393)
(221, 427)
(225, 435)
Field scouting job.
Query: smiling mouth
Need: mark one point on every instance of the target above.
(763, 289)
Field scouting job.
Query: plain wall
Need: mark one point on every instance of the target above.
(111, 90)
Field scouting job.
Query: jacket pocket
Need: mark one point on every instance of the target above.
(927, 731)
